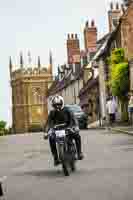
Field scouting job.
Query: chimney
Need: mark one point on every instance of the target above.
(114, 15)
(117, 6)
(73, 49)
(123, 8)
(90, 37)
(72, 35)
(76, 36)
(111, 6)
(127, 2)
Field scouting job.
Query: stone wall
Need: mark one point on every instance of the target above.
(29, 102)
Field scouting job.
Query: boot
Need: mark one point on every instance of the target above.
(56, 161)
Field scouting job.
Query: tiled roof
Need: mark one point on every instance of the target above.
(106, 45)
(90, 83)
(66, 80)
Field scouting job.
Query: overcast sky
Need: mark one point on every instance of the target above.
(38, 26)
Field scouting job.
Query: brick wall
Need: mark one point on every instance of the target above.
(90, 37)
(73, 49)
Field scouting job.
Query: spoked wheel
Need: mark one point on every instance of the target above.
(63, 158)
(73, 157)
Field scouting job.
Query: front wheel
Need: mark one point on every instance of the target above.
(63, 160)
(61, 152)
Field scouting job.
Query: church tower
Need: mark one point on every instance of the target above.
(29, 89)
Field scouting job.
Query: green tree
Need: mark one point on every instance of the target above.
(119, 79)
(2, 127)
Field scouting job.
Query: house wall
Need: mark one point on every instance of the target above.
(71, 93)
(127, 32)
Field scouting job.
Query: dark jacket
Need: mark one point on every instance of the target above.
(64, 116)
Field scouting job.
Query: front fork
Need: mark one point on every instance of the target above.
(62, 149)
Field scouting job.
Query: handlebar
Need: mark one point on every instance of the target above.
(59, 126)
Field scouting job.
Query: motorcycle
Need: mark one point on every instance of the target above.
(66, 148)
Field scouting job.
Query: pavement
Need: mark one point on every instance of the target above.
(122, 129)
(118, 128)
(104, 174)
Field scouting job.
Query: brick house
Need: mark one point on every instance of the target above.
(120, 36)
(69, 80)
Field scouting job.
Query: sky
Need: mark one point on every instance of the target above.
(40, 26)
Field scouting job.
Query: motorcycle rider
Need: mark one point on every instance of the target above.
(61, 115)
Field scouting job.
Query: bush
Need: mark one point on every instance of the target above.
(2, 127)
(119, 79)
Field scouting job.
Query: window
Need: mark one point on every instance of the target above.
(37, 97)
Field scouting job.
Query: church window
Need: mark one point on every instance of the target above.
(37, 98)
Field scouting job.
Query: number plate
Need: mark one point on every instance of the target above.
(60, 133)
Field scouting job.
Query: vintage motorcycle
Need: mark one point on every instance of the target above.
(66, 148)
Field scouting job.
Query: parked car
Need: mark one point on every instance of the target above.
(79, 114)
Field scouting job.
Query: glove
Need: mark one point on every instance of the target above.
(50, 132)
(76, 129)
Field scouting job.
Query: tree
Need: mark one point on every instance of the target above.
(2, 127)
(119, 79)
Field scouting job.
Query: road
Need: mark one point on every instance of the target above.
(106, 173)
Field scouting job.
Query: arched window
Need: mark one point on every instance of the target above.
(37, 97)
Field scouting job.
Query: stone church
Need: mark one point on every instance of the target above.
(29, 86)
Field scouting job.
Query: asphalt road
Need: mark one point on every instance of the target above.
(106, 173)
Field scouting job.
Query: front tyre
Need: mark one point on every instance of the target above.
(63, 160)
(61, 152)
